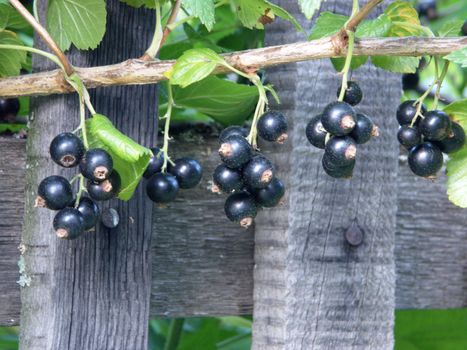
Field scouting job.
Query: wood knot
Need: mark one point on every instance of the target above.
(339, 42)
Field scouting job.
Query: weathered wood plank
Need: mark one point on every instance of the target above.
(12, 171)
(92, 293)
(312, 290)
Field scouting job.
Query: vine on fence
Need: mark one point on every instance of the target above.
(113, 164)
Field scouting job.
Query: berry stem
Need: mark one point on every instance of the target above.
(167, 116)
(360, 14)
(80, 190)
(259, 110)
(153, 49)
(348, 62)
(440, 83)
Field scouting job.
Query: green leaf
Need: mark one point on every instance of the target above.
(10, 18)
(150, 4)
(130, 159)
(194, 65)
(396, 64)
(452, 28)
(457, 163)
(327, 24)
(10, 60)
(222, 100)
(309, 7)
(257, 13)
(11, 127)
(373, 28)
(459, 57)
(203, 9)
(81, 22)
(357, 61)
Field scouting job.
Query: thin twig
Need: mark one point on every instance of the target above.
(361, 14)
(172, 18)
(44, 35)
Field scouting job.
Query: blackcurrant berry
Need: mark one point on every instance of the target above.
(341, 150)
(337, 171)
(96, 164)
(226, 180)
(155, 163)
(406, 112)
(235, 151)
(110, 218)
(410, 81)
(9, 108)
(162, 188)
(364, 129)
(315, 132)
(436, 125)
(272, 126)
(241, 207)
(105, 190)
(427, 8)
(271, 195)
(409, 136)
(54, 193)
(353, 94)
(232, 130)
(90, 212)
(68, 223)
(455, 140)
(338, 118)
(187, 171)
(425, 159)
(258, 172)
(66, 150)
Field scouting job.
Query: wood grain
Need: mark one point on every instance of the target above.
(92, 293)
(135, 71)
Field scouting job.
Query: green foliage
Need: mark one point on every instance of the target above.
(203, 9)
(151, 4)
(10, 18)
(327, 24)
(451, 28)
(9, 338)
(309, 7)
(130, 159)
(194, 65)
(10, 60)
(431, 329)
(459, 57)
(456, 166)
(81, 23)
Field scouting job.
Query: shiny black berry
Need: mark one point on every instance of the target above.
(155, 163)
(226, 180)
(110, 218)
(436, 125)
(338, 118)
(272, 126)
(454, 141)
(258, 173)
(68, 223)
(353, 94)
(232, 130)
(105, 190)
(341, 150)
(315, 132)
(425, 159)
(241, 207)
(406, 112)
(96, 164)
(409, 136)
(9, 108)
(90, 212)
(66, 149)
(235, 151)
(54, 193)
(364, 129)
(427, 8)
(410, 81)
(162, 188)
(271, 195)
(335, 170)
(187, 171)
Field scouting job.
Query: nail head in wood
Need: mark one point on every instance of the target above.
(354, 235)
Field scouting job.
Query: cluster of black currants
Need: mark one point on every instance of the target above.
(427, 135)
(76, 215)
(162, 187)
(246, 174)
(338, 130)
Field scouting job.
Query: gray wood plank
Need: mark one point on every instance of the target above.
(92, 293)
(312, 290)
(12, 171)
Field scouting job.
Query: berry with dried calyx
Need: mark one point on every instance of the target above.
(341, 150)
(455, 140)
(258, 173)
(54, 193)
(105, 190)
(272, 126)
(96, 165)
(241, 207)
(338, 118)
(353, 94)
(66, 149)
(68, 223)
(364, 129)
(232, 130)
(335, 170)
(226, 179)
(315, 132)
(235, 151)
(271, 195)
